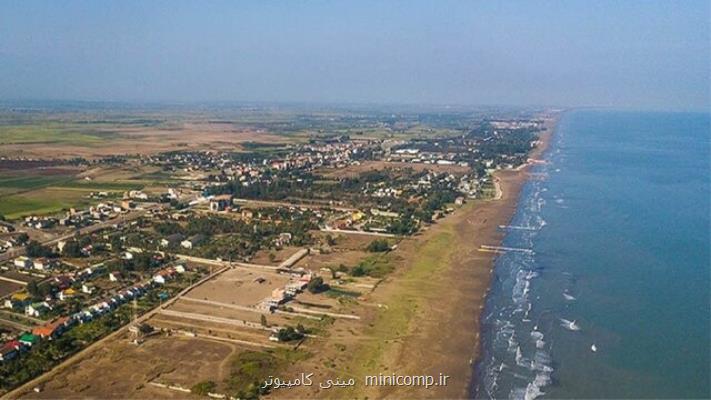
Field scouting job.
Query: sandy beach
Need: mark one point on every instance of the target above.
(424, 318)
(446, 328)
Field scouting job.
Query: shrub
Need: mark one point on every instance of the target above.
(317, 285)
(203, 388)
(378, 246)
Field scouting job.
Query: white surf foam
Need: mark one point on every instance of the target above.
(569, 325)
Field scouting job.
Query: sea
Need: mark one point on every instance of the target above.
(609, 295)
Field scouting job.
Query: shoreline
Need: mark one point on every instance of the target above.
(469, 276)
(535, 156)
(427, 314)
(424, 318)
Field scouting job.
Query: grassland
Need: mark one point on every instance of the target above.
(26, 193)
(103, 186)
(394, 320)
(53, 133)
(28, 182)
(42, 201)
(249, 369)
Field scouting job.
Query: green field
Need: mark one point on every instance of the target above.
(53, 199)
(54, 133)
(27, 192)
(17, 206)
(103, 186)
(27, 182)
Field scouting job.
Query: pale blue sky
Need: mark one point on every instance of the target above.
(639, 54)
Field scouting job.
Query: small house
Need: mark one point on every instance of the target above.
(42, 264)
(220, 203)
(115, 276)
(171, 240)
(61, 244)
(52, 329)
(29, 339)
(20, 296)
(193, 241)
(23, 262)
(10, 350)
(36, 309)
(88, 288)
(278, 297)
(67, 294)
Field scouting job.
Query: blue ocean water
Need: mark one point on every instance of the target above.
(614, 302)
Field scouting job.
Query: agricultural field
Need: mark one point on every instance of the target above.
(39, 191)
(50, 134)
(66, 140)
(43, 201)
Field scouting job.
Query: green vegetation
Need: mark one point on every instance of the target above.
(203, 388)
(28, 181)
(376, 266)
(290, 333)
(394, 320)
(316, 285)
(29, 193)
(235, 239)
(107, 186)
(378, 246)
(249, 370)
(36, 249)
(40, 202)
(338, 293)
(53, 133)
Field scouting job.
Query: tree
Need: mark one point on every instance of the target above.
(23, 238)
(263, 320)
(378, 245)
(44, 289)
(116, 243)
(316, 285)
(358, 270)
(35, 249)
(32, 288)
(71, 249)
(289, 333)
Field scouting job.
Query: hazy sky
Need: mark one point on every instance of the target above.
(641, 54)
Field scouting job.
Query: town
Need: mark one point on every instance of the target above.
(264, 246)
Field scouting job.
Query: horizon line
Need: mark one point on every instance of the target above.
(302, 103)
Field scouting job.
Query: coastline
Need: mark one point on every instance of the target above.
(425, 317)
(448, 330)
